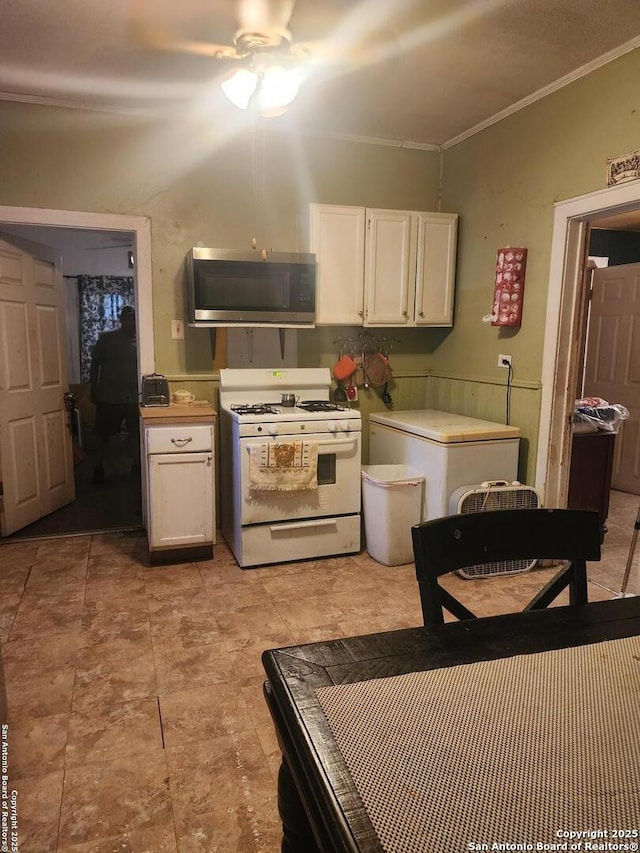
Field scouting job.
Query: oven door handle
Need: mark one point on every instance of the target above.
(296, 525)
(340, 442)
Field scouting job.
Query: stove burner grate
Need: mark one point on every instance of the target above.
(319, 406)
(254, 409)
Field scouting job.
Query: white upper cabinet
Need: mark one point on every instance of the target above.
(390, 259)
(337, 238)
(435, 268)
(383, 267)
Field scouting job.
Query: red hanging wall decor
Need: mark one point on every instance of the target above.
(509, 287)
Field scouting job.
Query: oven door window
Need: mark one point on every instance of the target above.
(326, 469)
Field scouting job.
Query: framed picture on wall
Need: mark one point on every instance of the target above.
(622, 169)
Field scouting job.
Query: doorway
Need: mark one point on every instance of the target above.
(563, 329)
(117, 505)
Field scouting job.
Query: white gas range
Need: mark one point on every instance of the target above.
(264, 526)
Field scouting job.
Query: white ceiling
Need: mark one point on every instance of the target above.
(417, 71)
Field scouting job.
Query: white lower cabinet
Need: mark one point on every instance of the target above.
(181, 504)
(180, 511)
(379, 267)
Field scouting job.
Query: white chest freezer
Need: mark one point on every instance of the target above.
(448, 450)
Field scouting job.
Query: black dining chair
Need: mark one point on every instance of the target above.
(445, 545)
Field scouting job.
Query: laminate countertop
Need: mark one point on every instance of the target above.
(175, 413)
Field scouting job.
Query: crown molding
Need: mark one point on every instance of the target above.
(370, 140)
(61, 103)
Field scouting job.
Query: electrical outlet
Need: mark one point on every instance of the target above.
(504, 360)
(177, 330)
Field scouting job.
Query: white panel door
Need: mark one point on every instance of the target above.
(612, 369)
(390, 267)
(36, 460)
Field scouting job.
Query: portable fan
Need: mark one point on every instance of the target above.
(493, 495)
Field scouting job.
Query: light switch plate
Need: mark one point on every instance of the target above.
(177, 330)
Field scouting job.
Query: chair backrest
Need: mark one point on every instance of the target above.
(444, 545)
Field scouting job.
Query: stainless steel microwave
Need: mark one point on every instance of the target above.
(236, 288)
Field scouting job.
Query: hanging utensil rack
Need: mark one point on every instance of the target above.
(365, 343)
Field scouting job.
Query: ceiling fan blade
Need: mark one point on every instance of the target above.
(164, 41)
(148, 28)
(258, 16)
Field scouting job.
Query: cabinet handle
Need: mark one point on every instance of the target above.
(180, 442)
(405, 313)
(360, 313)
(421, 314)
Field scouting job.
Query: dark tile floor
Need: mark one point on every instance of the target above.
(136, 718)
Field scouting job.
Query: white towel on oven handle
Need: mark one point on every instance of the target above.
(288, 466)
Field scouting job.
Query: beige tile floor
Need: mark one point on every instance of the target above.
(136, 719)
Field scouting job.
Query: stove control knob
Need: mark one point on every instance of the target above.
(332, 426)
(273, 429)
(345, 425)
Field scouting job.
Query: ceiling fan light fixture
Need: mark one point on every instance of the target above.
(240, 87)
(278, 88)
(271, 88)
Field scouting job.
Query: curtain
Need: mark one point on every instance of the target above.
(101, 298)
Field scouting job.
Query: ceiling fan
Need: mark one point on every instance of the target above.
(267, 66)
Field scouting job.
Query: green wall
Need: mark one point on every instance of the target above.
(199, 183)
(503, 182)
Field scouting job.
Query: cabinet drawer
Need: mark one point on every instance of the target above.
(187, 438)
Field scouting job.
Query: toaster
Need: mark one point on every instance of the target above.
(155, 390)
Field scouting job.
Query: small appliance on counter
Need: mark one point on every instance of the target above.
(155, 390)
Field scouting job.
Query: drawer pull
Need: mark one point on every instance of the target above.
(180, 442)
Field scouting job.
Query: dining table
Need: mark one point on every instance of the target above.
(512, 732)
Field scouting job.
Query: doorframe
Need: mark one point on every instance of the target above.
(562, 330)
(141, 228)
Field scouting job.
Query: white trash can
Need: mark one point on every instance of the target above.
(392, 501)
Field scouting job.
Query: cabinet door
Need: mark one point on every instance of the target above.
(435, 275)
(337, 238)
(389, 267)
(180, 499)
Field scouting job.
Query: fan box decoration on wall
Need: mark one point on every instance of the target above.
(623, 169)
